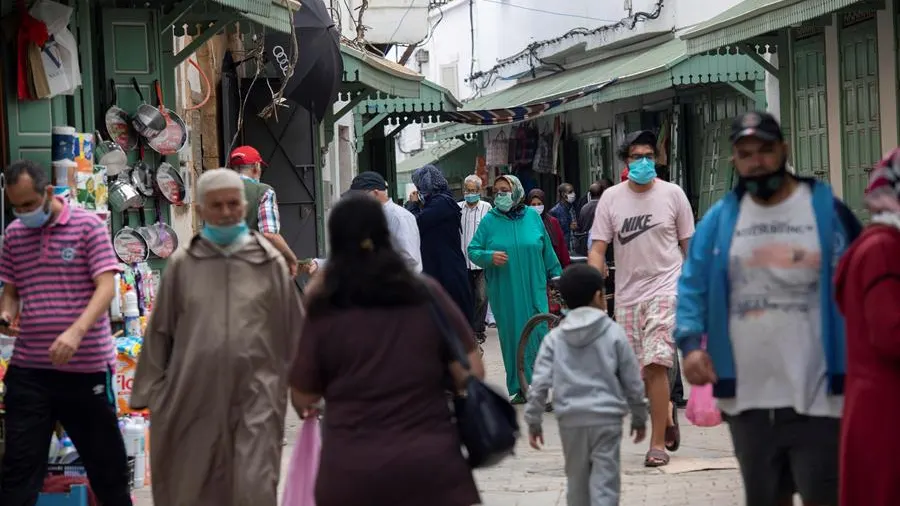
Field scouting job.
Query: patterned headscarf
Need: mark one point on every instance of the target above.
(518, 197)
(883, 192)
(430, 181)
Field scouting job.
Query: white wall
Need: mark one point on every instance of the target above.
(386, 21)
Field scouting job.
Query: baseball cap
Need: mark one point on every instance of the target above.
(641, 137)
(761, 125)
(368, 181)
(244, 155)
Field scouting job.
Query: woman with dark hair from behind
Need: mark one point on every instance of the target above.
(372, 351)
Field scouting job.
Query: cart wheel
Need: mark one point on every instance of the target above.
(552, 321)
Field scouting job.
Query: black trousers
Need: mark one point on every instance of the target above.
(677, 384)
(85, 405)
(479, 294)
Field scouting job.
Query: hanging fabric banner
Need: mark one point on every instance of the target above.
(519, 113)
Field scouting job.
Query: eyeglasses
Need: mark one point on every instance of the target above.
(638, 156)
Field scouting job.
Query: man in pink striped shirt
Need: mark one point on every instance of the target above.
(58, 265)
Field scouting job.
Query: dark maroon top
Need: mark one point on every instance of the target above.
(387, 437)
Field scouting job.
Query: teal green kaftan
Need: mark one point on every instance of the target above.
(518, 290)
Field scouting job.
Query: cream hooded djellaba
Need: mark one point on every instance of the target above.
(213, 372)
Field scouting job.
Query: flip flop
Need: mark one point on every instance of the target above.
(656, 458)
(673, 433)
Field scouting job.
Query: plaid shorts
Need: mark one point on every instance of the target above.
(649, 325)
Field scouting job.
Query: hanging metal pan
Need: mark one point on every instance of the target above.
(111, 155)
(164, 239)
(118, 125)
(140, 176)
(148, 120)
(174, 136)
(169, 183)
(130, 246)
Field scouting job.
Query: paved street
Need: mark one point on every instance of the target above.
(701, 473)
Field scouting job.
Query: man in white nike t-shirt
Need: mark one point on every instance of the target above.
(651, 222)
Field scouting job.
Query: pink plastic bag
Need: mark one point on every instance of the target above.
(300, 483)
(701, 407)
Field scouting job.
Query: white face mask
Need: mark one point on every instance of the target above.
(539, 208)
(570, 197)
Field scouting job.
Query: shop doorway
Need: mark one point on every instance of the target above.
(287, 145)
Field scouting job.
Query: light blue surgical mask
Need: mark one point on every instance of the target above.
(503, 201)
(226, 234)
(37, 218)
(642, 171)
(472, 198)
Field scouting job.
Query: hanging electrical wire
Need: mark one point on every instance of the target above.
(530, 51)
(278, 99)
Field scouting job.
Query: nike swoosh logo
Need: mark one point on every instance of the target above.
(627, 239)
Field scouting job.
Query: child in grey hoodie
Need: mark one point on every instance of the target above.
(596, 381)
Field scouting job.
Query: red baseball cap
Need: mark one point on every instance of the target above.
(244, 155)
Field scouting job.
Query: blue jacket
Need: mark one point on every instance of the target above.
(704, 291)
(565, 214)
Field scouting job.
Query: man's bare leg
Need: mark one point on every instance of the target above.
(656, 379)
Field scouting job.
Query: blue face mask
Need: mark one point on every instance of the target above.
(225, 235)
(503, 201)
(37, 218)
(642, 171)
(472, 198)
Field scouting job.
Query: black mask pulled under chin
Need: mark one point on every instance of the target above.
(765, 186)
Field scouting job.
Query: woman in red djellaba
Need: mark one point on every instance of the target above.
(868, 293)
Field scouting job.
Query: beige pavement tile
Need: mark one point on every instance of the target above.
(536, 478)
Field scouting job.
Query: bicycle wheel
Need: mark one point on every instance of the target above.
(552, 321)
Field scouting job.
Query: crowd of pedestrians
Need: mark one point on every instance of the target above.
(777, 297)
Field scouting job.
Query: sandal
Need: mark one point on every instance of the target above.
(673, 433)
(656, 458)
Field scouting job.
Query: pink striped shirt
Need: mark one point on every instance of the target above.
(53, 269)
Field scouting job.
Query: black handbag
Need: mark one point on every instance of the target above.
(486, 421)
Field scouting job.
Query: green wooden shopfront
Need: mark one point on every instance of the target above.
(118, 40)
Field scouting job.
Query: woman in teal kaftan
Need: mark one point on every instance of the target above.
(512, 246)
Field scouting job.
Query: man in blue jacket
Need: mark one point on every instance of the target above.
(757, 283)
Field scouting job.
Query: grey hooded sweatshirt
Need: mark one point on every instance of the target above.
(594, 374)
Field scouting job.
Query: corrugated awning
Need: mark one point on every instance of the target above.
(752, 18)
(379, 74)
(618, 77)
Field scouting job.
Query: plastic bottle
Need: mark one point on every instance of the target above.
(133, 435)
(68, 453)
(140, 459)
(115, 308)
(132, 315)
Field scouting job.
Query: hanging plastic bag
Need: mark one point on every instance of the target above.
(701, 407)
(300, 484)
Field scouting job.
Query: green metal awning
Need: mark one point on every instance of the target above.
(636, 73)
(279, 18)
(652, 70)
(430, 155)
(378, 111)
(364, 70)
(752, 18)
(257, 7)
(432, 99)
